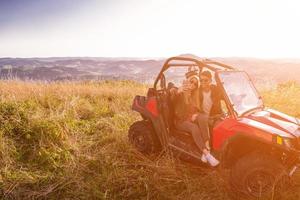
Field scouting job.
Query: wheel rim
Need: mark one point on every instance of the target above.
(259, 183)
(140, 141)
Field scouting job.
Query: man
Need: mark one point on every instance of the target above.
(188, 115)
(210, 105)
(210, 96)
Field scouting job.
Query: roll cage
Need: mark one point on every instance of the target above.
(180, 61)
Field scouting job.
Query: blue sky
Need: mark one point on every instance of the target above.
(35, 13)
(156, 28)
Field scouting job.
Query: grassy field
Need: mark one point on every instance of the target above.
(69, 141)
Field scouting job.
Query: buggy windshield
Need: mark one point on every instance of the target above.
(240, 91)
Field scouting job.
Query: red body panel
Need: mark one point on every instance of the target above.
(222, 132)
(151, 106)
(262, 125)
(146, 106)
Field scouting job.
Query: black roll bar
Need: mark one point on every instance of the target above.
(193, 62)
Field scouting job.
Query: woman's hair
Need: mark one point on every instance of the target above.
(196, 78)
(191, 73)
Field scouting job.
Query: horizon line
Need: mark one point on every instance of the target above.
(152, 57)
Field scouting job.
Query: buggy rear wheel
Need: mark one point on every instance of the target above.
(143, 137)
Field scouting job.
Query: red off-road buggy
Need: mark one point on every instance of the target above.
(259, 146)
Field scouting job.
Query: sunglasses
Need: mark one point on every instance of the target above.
(204, 80)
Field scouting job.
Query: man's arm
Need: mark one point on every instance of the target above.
(219, 93)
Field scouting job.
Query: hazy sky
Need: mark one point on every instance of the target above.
(150, 28)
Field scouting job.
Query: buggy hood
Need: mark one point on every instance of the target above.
(274, 122)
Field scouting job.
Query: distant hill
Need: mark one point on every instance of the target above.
(145, 70)
(277, 70)
(78, 68)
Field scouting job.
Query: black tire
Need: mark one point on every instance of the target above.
(143, 137)
(257, 175)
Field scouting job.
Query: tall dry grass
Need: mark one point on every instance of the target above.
(69, 141)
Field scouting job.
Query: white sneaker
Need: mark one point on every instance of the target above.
(203, 158)
(211, 160)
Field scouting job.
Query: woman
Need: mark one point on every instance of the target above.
(188, 117)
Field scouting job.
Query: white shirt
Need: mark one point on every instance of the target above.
(207, 102)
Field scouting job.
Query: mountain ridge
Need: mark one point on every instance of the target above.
(139, 69)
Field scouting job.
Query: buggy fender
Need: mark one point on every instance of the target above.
(238, 145)
(231, 128)
(149, 110)
(147, 107)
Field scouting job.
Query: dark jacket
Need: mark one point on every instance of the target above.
(183, 111)
(216, 96)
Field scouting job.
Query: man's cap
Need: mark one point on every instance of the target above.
(206, 74)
